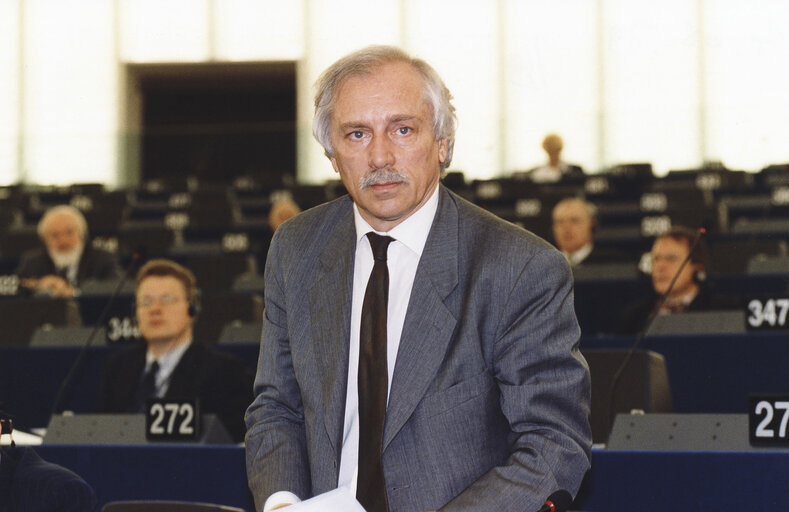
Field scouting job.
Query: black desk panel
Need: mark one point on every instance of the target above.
(618, 481)
(212, 474)
(715, 374)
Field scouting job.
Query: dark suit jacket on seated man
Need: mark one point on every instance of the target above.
(488, 396)
(30, 484)
(688, 292)
(166, 307)
(67, 258)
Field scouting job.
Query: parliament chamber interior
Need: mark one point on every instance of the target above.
(704, 366)
(175, 131)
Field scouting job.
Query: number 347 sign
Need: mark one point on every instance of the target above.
(768, 314)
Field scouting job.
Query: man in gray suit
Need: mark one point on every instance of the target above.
(488, 396)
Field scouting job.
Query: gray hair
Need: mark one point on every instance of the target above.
(63, 209)
(591, 209)
(364, 62)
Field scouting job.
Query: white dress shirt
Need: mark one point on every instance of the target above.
(575, 258)
(167, 364)
(403, 257)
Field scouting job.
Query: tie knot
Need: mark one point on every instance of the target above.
(379, 245)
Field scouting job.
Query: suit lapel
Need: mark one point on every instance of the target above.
(127, 379)
(184, 380)
(330, 318)
(428, 323)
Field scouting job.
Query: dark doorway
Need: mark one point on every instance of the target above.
(216, 122)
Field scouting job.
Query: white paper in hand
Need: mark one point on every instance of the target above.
(338, 500)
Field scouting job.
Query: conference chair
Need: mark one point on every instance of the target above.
(733, 255)
(30, 313)
(243, 333)
(67, 336)
(249, 282)
(35, 485)
(643, 385)
(14, 241)
(218, 271)
(166, 506)
(152, 238)
(220, 309)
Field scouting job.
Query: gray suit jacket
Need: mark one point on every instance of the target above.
(489, 402)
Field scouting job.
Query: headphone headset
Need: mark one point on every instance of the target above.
(194, 305)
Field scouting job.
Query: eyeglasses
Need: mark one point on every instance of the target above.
(164, 300)
(668, 258)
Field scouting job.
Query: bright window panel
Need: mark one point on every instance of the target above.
(551, 81)
(9, 92)
(164, 31)
(460, 40)
(747, 82)
(70, 92)
(334, 29)
(651, 83)
(259, 29)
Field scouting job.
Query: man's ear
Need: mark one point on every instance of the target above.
(333, 161)
(699, 272)
(443, 149)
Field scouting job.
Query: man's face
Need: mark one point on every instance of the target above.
(163, 310)
(62, 234)
(667, 256)
(384, 147)
(572, 226)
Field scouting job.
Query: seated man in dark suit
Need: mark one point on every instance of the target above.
(574, 225)
(67, 258)
(689, 293)
(30, 484)
(169, 365)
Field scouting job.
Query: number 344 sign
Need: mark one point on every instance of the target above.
(768, 420)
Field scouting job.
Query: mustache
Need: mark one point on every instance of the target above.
(386, 175)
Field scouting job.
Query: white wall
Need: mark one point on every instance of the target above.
(674, 83)
(9, 90)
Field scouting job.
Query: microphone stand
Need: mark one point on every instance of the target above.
(642, 333)
(56, 406)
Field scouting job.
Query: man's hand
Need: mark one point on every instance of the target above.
(55, 285)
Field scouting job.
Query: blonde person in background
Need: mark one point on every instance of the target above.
(282, 210)
(555, 169)
(66, 258)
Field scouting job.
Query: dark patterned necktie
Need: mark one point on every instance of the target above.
(147, 388)
(373, 380)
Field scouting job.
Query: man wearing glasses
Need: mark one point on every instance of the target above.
(168, 364)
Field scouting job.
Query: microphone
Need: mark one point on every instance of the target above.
(650, 320)
(59, 398)
(559, 501)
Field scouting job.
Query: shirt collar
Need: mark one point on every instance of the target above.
(168, 361)
(412, 232)
(578, 256)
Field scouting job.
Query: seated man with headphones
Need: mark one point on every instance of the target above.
(688, 292)
(574, 226)
(169, 364)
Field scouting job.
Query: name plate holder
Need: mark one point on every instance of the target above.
(768, 420)
(767, 314)
(122, 429)
(169, 420)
